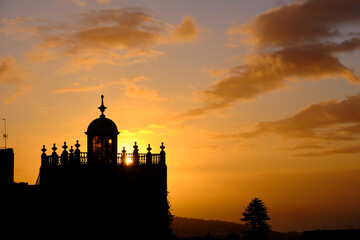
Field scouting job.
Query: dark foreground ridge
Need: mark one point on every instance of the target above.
(193, 228)
(197, 229)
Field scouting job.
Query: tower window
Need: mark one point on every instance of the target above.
(99, 144)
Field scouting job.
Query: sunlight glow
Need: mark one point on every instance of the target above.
(128, 161)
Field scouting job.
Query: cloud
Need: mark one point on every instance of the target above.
(19, 91)
(347, 149)
(267, 72)
(198, 112)
(108, 36)
(103, 1)
(87, 60)
(301, 40)
(79, 3)
(13, 78)
(217, 73)
(118, 36)
(186, 31)
(20, 28)
(329, 120)
(135, 90)
(7, 65)
(77, 89)
(301, 22)
(40, 55)
(132, 87)
(305, 144)
(116, 28)
(83, 3)
(318, 127)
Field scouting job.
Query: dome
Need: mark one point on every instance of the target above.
(102, 125)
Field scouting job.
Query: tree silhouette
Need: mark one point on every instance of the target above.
(256, 215)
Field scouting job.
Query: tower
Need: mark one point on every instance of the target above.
(102, 139)
(120, 192)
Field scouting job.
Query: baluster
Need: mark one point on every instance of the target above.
(44, 158)
(77, 153)
(149, 156)
(123, 157)
(64, 155)
(71, 156)
(136, 155)
(162, 154)
(54, 156)
(118, 159)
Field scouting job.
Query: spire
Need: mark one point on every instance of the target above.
(102, 107)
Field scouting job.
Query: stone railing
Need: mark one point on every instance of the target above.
(75, 157)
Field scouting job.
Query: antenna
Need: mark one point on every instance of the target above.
(5, 136)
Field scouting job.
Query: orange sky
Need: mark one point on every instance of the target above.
(252, 99)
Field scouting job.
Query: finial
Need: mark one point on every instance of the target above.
(102, 107)
(64, 147)
(43, 149)
(123, 151)
(77, 145)
(135, 146)
(149, 148)
(162, 146)
(54, 148)
(71, 149)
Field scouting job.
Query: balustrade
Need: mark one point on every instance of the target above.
(81, 158)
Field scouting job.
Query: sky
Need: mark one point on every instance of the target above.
(251, 98)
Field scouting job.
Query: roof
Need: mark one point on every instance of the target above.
(102, 126)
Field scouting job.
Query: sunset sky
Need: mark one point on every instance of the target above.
(252, 99)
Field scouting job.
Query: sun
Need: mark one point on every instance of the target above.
(128, 161)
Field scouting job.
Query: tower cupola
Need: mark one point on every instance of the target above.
(102, 139)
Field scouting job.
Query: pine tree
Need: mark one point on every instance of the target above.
(256, 215)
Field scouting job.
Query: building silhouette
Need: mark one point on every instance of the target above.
(6, 167)
(100, 192)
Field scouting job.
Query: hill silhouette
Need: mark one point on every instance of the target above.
(192, 227)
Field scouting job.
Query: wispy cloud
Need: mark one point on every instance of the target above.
(13, 77)
(20, 28)
(329, 120)
(77, 89)
(186, 31)
(305, 144)
(83, 3)
(117, 36)
(347, 149)
(79, 3)
(103, 1)
(318, 127)
(134, 89)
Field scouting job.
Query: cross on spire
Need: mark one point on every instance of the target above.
(102, 107)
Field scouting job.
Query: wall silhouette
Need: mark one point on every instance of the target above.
(101, 193)
(6, 167)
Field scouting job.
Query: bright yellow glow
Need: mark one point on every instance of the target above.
(128, 161)
(110, 141)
